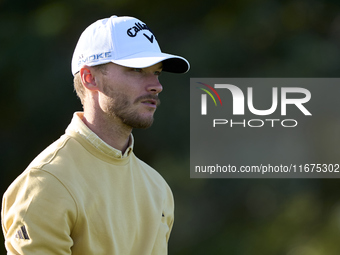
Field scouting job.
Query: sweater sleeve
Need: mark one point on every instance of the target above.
(170, 211)
(38, 215)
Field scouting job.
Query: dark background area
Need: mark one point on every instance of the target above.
(243, 38)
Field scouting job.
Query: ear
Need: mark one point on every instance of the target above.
(88, 78)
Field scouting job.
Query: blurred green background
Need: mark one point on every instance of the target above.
(242, 38)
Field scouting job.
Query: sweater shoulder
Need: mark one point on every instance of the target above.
(49, 154)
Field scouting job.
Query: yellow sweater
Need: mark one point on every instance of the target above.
(76, 198)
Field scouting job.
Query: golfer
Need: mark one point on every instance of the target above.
(87, 193)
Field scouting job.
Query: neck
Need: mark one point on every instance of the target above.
(110, 131)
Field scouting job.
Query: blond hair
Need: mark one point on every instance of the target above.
(79, 88)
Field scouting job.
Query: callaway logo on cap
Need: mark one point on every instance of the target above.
(125, 41)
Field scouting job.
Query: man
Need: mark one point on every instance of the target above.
(88, 193)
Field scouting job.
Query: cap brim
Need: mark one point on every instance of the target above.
(171, 63)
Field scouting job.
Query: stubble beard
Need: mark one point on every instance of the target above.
(120, 107)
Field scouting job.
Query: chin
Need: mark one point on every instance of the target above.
(139, 122)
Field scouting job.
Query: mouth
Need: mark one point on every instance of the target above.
(150, 103)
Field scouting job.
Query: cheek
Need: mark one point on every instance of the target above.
(106, 102)
(119, 93)
(116, 102)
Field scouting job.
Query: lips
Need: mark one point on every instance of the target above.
(150, 100)
(150, 103)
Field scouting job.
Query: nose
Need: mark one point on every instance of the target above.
(154, 86)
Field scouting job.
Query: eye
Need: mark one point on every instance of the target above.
(138, 70)
(158, 73)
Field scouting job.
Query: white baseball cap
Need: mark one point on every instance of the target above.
(125, 41)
